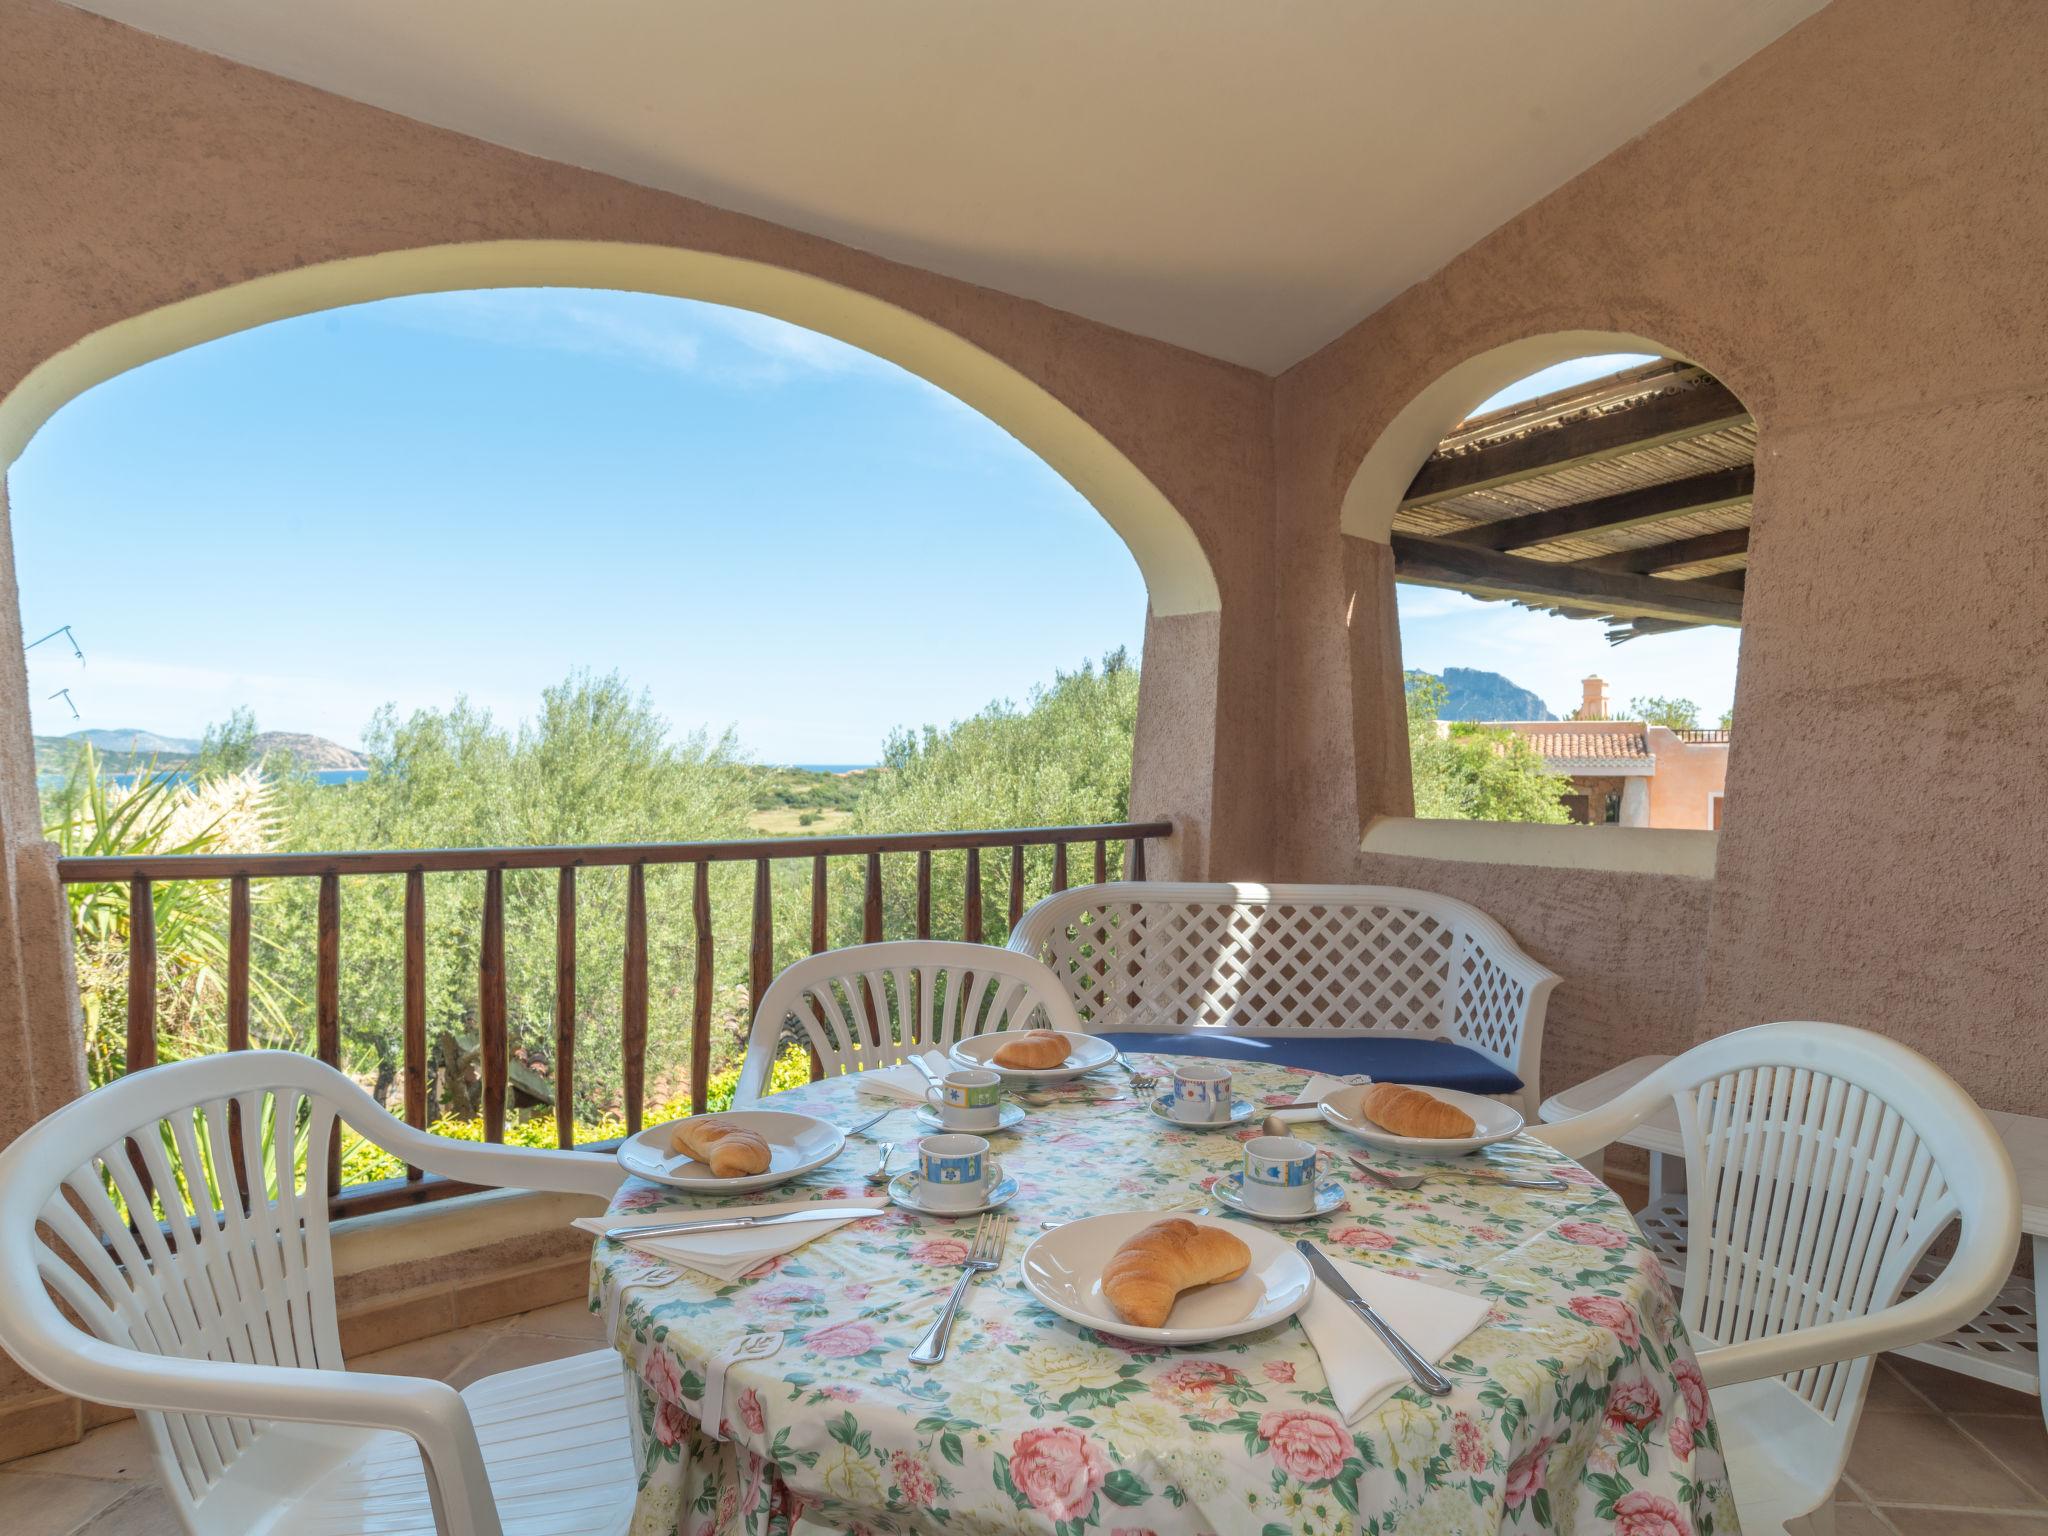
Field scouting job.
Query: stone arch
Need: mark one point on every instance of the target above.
(1178, 577)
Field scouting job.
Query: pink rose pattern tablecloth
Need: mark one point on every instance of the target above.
(1578, 1406)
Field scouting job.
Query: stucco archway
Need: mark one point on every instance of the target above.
(1178, 577)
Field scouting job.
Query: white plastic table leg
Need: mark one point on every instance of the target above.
(2041, 1296)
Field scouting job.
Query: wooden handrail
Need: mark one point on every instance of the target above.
(140, 874)
(265, 866)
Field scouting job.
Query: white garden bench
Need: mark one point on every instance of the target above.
(1405, 986)
(2000, 1345)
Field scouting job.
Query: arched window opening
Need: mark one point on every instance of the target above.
(1605, 497)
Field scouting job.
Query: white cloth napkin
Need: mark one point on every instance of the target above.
(904, 1083)
(728, 1254)
(1315, 1090)
(1362, 1371)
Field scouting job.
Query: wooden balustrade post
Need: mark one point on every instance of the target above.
(327, 1001)
(633, 1034)
(761, 941)
(141, 1053)
(1016, 886)
(415, 1006)
(924, 893)
(496, 1065)
(1101, 861)
(871, 903)
(820, 885)
(1059, 866)
(1135, 870)
(700, 1009)
(238, 965)
(565, 1007)
(971, 919)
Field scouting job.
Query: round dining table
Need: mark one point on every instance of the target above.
(1577, 1406)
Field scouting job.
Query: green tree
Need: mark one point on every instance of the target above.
(1062, 759)
(1673, 714)
(1466, 772)
(229, 746)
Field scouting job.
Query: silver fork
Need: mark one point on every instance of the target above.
(1387, 1180)
(1143, 1086)
(985, 1253)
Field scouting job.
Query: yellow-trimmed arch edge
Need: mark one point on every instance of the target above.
(1375, 492)
(1177, 574)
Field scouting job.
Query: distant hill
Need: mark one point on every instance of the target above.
(124, 751)
(1474, 695)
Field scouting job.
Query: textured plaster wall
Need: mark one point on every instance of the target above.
(1847, 229)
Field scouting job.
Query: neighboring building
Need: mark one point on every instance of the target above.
(1628, 773)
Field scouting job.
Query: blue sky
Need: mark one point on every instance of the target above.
(476, 493)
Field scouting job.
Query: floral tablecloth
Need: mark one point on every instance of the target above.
(1578, 1406)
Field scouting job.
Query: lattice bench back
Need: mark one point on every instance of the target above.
(1295, 959)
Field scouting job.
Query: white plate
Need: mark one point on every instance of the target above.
(1241, 1110)
(1084, 1054)
(907, 1190)
(1063, 1269)
(1495, 1122)
(1330, 1196)
(1011, 1117)
(796, 1144)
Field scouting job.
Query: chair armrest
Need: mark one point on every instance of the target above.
(476, 1162)
(431, 1413)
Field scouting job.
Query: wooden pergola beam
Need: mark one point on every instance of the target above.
(1652, 558)
(1487, 573)
(1671, 498)
(1706, 407)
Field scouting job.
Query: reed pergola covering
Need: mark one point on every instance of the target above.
(1626, 499)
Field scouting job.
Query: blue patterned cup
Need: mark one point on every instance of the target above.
(952, 1170)
(968, 1100)
(1280, 1175)
(1201, 1093)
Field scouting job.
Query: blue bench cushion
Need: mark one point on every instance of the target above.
(1427, 1063)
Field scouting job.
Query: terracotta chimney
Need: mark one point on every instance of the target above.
(1594, 705)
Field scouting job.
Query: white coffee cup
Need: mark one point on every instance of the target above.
(1280, 1175)
(952, 1171)
(1201, 1093)
(968, 1099)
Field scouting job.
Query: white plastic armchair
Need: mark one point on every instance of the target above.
(873, 1005)
(1822, 1163)
(217, 1323)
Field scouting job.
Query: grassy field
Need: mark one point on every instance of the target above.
(793, 802)
(793, 821)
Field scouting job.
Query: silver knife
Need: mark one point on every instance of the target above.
(1420, 1371)
(735, 1223)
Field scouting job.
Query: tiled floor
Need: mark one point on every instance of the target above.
(105, 1485)
(1937, 1454)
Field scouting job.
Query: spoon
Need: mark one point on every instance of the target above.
(882, 1163)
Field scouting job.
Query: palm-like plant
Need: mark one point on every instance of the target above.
(89, 816)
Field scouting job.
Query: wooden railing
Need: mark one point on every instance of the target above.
(140, 873)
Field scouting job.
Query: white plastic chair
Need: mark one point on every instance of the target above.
(873, 1005)
(1822, 1162)
(218, 1324)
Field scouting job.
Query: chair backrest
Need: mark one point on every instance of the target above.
(1140, 955)
(187, 1212)
(1822, 1163)
(873, 1005)
(181, 1213)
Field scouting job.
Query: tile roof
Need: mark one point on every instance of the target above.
(1604, 745)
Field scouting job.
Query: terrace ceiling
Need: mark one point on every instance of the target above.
(1244, 179)
(1625, 498)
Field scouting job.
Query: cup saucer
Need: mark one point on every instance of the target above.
(907, 1190)
(1241, 1112)
(1330, 1196)
(1011, 1117)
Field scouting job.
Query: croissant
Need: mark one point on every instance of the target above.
(729, 1152)
(1035, 1049)
(1144, 1278)
(1406, 1111)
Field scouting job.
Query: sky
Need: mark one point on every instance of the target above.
(480, 492)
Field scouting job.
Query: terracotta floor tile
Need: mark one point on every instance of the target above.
(1859, 1520)
(1917, 1458)
(118, 1451)
(145, 1512)
(510, 1351)
(1953, 1392)
(1909, 1521)
(439, 1357)
(39, 1504)
(1891, 1393)
(564, 1320)
(2022, 1444)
